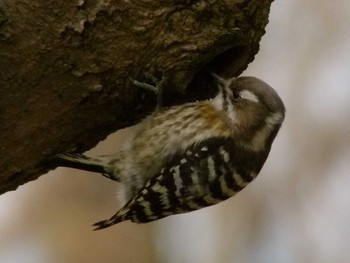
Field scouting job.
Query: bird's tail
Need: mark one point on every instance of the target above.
(82, 162)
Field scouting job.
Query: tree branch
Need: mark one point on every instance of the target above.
(65, 67)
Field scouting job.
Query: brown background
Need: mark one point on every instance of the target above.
(298, 210)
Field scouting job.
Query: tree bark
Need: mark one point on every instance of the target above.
(65, 68)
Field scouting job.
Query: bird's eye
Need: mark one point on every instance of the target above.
(236, 95)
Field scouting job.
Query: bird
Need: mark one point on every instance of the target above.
(193, 155)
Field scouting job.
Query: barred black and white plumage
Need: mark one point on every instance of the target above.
(203, 176)
(193, 155)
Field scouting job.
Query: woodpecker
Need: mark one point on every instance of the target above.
(194, 155)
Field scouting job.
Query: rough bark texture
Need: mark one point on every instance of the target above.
(65, 67)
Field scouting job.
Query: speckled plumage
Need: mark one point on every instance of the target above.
(193, 155)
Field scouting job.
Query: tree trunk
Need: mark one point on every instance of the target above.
(65, 68)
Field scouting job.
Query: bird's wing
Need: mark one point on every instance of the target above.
(203, 175)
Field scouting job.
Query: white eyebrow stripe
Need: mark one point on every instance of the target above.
(245, 94)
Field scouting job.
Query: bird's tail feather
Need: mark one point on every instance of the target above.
(79, 161)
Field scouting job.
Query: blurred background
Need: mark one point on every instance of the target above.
(297, 210)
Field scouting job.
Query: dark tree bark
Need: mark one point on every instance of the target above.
(65, 67)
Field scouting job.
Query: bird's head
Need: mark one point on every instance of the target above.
(253, 109)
